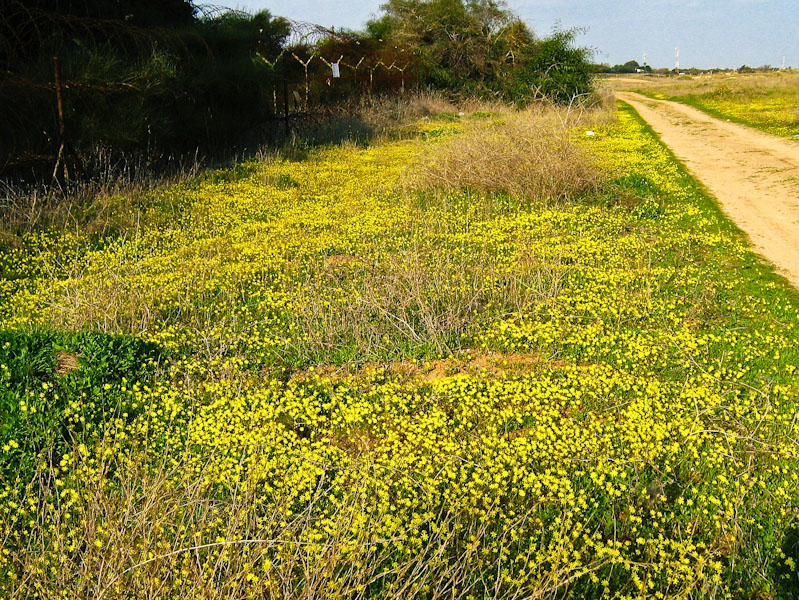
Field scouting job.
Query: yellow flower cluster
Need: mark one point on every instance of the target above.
(645, 447)
(776, 113)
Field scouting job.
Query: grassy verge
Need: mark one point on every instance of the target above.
(766, 102)
(355, 386)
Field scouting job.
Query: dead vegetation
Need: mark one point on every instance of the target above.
(474, 362)
(528, 155)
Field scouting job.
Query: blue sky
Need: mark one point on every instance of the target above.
(724, 33)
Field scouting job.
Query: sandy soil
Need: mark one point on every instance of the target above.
(754, 175)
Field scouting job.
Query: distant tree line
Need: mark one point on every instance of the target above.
(760, 69)
(631, 66)
(163, 76)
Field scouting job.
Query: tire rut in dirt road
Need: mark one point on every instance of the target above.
(754, 175)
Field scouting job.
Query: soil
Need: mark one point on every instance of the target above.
(754, 175)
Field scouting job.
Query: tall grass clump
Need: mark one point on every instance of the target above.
(528, 155)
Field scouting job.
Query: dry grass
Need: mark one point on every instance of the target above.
(366, 120)
(109, 201)
(386, 112)
(528, 155)
(422, 299)
(66, 362)
(754, 84)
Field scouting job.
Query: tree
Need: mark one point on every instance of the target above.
(453, 39)
(631, 66)
(557, 68)
(479, 46)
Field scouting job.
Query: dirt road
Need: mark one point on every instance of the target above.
(754, 175)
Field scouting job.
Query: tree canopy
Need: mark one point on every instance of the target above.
(480, 46)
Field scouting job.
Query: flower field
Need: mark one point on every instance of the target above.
(297, 379)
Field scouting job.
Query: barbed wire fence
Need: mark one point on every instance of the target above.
(321, 67)
(316, 72)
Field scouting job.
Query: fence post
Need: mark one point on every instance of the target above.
(286, 107)
(64, 147)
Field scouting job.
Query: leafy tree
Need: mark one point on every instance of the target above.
(631, 66)
(557, 68)
(454, 40)
(479, 46)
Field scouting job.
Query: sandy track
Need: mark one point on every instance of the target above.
(754, 175)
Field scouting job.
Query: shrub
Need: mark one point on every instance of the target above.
(482, 48)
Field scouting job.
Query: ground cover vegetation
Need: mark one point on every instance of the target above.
(365, 370)
(767, 101)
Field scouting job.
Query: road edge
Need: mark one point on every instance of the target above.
(709, 202)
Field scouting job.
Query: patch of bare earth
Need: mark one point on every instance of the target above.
(469, 362)
(66, 362)
(360, 440)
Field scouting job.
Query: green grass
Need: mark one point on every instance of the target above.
(57, 387)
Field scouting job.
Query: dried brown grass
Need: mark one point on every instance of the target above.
(420, 300)
(528, 155)
(385, 112)
(386, 115)
(114, 199)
